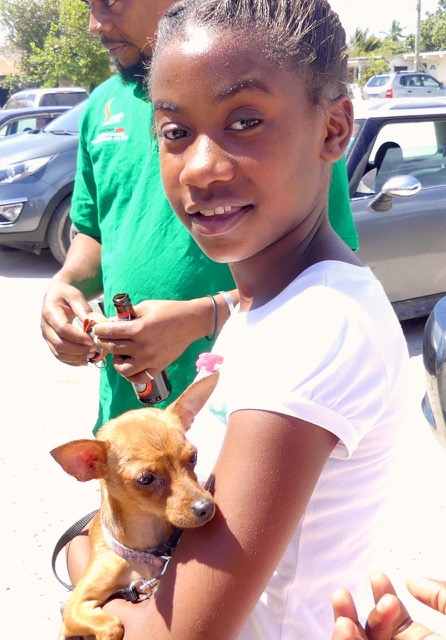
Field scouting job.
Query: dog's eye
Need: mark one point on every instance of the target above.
(193, 458)
(145, 479)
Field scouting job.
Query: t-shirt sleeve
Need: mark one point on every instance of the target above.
(84, 211)
(325, 369)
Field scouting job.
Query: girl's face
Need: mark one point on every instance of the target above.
(243, 152)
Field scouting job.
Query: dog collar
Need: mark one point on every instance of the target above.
(150, 556)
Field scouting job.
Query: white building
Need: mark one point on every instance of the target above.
(432, 62)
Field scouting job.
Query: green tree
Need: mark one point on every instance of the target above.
(395, 33)
(59, 50)
(70, 52)
(27, 23)
(433, 31)
(373, 67)
(362, 43)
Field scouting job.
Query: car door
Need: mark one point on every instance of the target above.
(431, 86)
(406, 246)
(409, 86)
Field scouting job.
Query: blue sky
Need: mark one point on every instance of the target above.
(377, 15)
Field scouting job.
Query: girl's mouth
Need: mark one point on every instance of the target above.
(218, 220)
(218, 211)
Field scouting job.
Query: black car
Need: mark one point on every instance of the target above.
(37, 172)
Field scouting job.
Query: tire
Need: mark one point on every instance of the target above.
(61, 231)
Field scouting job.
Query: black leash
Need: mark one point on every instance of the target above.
(65, 538)
(140, 588)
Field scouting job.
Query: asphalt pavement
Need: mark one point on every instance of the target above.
(45, 403)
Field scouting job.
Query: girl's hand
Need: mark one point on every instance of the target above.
(161, 332)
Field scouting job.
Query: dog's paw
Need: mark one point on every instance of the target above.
(113, 632)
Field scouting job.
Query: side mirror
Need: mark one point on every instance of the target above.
(396, 187)
(434, 360)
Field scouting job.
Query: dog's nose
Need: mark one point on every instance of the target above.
(204, 508)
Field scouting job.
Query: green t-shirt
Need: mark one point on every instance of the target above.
(339, 210)
(146, 252)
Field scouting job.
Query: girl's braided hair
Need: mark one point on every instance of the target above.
(305, 36)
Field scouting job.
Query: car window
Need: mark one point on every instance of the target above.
(378, 81)
(68, 121)
(411, 81)
(48, 100)
(20, 125)
(357, 126)
(62, 99)
(402, 148)
(428, 81)
(19, 101)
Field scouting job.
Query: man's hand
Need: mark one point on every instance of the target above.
(66, 299)
(68, 344)
(389, 620)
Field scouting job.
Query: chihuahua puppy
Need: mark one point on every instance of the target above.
(149, 490)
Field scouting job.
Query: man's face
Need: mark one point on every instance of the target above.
(126, 27)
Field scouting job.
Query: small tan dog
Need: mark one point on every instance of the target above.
(145, 467)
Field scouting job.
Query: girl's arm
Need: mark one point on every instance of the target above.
(264, 477)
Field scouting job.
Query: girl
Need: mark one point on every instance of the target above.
(250, 112)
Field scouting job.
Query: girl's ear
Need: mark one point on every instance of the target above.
(339, 113)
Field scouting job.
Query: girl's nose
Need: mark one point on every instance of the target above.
(99, 23)
(206, 162)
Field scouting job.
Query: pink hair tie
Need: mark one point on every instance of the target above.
(209, 362)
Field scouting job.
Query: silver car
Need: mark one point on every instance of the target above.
(397, 172)
(56, 96)
(403, 84)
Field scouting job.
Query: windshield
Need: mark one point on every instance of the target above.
(68, 121)
(378, 81)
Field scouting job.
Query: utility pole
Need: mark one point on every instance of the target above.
(417, 37)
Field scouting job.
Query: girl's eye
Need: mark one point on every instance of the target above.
(172, 133)
(109, 3)
(245, 123)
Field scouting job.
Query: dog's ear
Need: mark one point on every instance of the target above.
(83, 459)
(193, 399)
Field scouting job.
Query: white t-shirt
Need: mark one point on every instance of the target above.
(328, 350)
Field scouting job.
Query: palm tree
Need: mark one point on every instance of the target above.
(361, 43)
(395, 33)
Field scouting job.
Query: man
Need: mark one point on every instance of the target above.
(129, 239)
(389, 619)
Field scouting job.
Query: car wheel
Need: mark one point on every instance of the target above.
(61, 230)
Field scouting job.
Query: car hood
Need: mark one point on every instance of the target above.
(27, 146)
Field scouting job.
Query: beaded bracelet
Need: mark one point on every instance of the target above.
(229, 301)
(214, 304)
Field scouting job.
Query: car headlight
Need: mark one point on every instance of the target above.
(18, 170)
